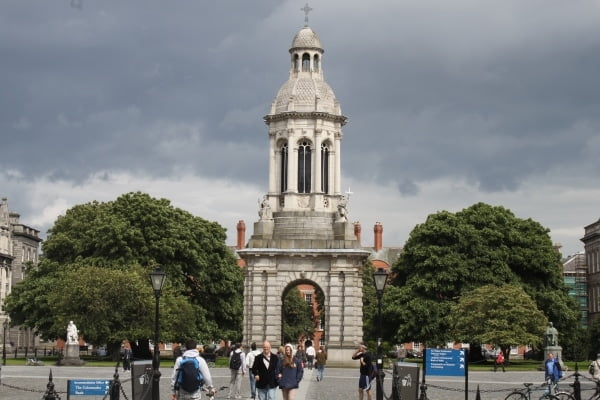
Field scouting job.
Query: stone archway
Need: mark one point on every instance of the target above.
(302, 285)
(338, 272)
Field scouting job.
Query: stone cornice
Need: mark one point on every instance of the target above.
(305, 115)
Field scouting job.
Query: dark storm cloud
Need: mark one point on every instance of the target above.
(495, 94)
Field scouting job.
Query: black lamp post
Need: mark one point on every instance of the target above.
(380, 278)
(157, 278)
(5, 328)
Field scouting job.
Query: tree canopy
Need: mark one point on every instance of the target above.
(501, 315)
(95, 268)
(451, 254)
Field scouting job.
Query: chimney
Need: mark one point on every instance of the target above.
(241, 234)
(378, 242)
(357, 229)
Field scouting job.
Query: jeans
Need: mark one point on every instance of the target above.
(252, 385)
(320, 369)
(266, 394)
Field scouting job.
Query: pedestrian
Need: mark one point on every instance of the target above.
(321, 361)
(289, 373)
(190, 352)
(401, 353)
(237, 368)
(366, 369)
(594, 369)
(249, 363)
(301, 354)
(126, 358)
(264, 368)
(310, 354)
(552, 371)
(499, 362)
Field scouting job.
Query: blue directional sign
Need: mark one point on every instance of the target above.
(88, 387)
(445, 362)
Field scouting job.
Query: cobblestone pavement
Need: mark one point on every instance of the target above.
(21, 383)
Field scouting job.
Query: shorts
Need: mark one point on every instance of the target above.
(364, 382)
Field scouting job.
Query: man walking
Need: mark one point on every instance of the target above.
(250, 357)
(263, 369)
(237, 367)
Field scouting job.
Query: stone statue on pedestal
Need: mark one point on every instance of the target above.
(71, 356)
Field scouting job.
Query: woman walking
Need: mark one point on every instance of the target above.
(289, 373)
(321, 360)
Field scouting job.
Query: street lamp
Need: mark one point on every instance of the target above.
(380, 278)
(157, 277)
(5, 327)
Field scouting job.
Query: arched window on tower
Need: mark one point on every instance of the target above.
(284, 168)
(316, 63)
(304, 163)
(324, 168)
(305, 62)
(296, 63)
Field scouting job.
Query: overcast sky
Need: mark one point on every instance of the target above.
(449, 103)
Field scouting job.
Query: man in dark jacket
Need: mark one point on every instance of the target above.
(263, 369)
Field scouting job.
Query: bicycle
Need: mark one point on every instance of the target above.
(571, 395)
(211, 392)
(34, 362)
(525, 394)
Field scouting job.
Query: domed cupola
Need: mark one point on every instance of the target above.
(306, 89)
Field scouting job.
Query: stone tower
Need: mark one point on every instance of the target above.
(303, 234)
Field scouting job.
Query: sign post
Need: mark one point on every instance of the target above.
(448, 362)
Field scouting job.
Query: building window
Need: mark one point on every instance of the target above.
(316, 64)
(296, 63)
(308, 298)
(284, 168)
(304, 163)
(324, 168)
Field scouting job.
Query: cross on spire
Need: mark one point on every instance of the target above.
(306, 10)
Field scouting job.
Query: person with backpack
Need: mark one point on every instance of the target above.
(237, 368)
(249, 363)
(499, 363)
(190, 373)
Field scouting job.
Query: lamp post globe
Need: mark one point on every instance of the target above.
(380, 278)
(157, 278)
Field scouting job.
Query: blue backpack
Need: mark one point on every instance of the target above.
(189, 377)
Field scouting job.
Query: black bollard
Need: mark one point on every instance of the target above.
(50, 393)
(577, 384)
(115, 388)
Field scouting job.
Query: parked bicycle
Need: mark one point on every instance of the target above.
(525, 394)
(562, 395)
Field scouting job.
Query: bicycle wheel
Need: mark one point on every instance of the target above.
(564, 396)
(548, 396)
(516, 396)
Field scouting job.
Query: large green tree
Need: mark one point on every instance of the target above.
(451, 254)
(501, 315)
(95, 270)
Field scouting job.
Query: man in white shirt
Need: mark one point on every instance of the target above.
(249, 363)
(310, 354)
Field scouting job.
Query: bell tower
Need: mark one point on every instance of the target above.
(303, 234)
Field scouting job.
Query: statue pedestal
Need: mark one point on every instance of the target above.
(557, 352)
(71, 355)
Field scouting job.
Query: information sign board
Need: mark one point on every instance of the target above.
(88, 387)
(445, 362)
